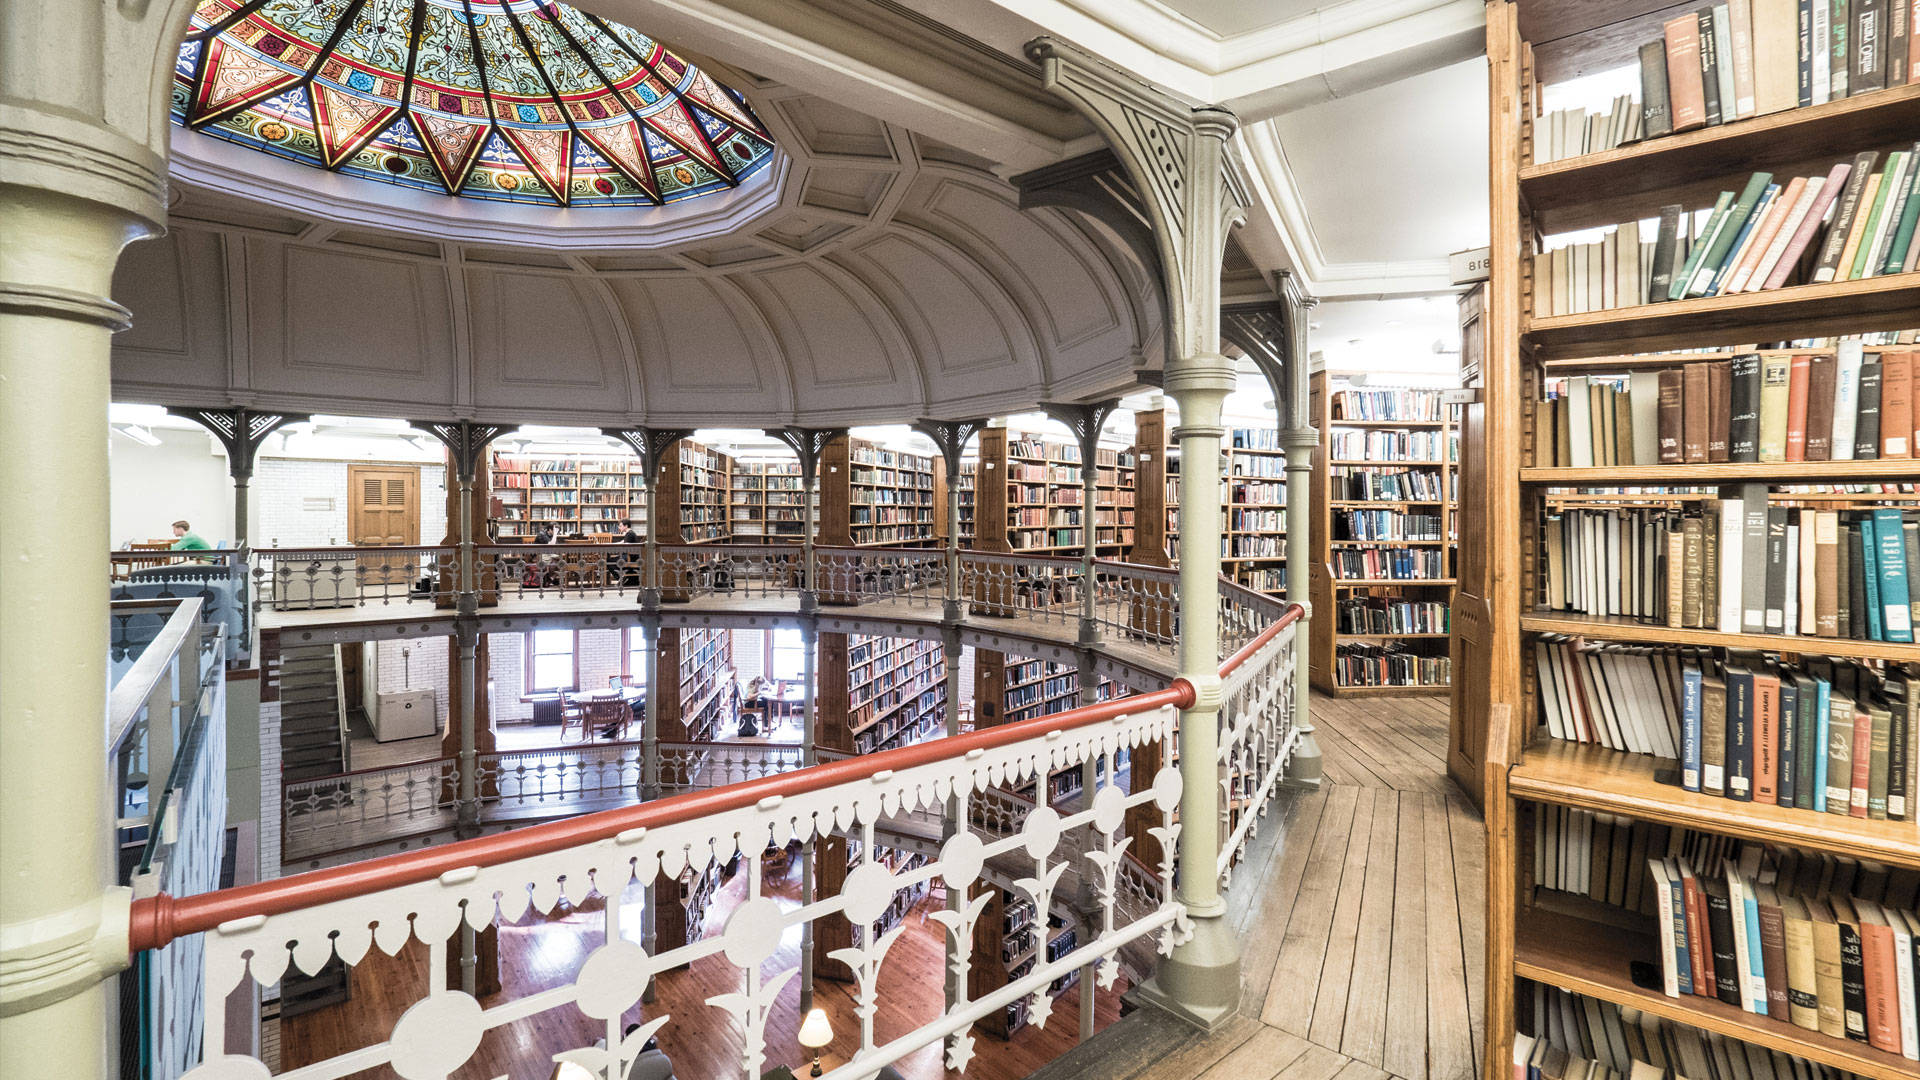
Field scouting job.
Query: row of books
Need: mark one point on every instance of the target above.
(1741, 564)
(1255, 439)
(1831, 738)
(1388, 446)
(1391, 664)
(1381, 615)
(1852, 223)
(1747, 58)
(1605, 857)
(1386, 403)
(1253, 547)
(1271, 468)
(1388, 564)
(1566, 133)
(1847, 405)
(1581, 1038)
(1384, 525)
(1370, 485)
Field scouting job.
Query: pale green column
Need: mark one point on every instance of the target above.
(63, 923)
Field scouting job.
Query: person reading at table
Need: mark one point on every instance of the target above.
(185, 539)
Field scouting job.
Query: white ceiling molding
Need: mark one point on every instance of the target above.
(1278, 199)
(1330, 52)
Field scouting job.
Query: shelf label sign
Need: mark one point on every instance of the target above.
(1467, 267)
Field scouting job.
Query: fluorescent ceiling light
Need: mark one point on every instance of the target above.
(138, 434)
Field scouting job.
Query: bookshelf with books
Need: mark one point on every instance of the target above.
(1647, 674)
(1036, 507)
(1253, 508)
(896, 691)
(1008, 689)
(766, 502)
(573, 494)
(697, 703)
(1384, 538)
(1008, 940)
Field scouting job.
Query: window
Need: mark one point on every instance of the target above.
(637, 648)
(788, 656)
(552, 661)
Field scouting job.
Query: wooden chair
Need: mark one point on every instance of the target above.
(607, 714)
(573, 712)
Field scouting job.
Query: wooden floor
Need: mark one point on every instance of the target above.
(703, 1041)
(1361, 923)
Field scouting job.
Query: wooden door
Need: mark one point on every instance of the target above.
(384, 511)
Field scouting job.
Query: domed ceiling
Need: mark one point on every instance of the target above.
(523, 101)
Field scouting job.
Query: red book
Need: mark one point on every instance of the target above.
(1862, 761)
(1766, 738)
(1699, 941)
(1896, 407)
(1797, 375)
(1686, 90)
(1878, 958)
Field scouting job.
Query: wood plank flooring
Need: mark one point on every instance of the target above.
(1360, 919)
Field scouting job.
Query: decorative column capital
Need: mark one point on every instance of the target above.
(951, 437)
(466, 440)
(240, 430)
(1085, 421)
(651, 444)
(1188, 187)
(807, 444)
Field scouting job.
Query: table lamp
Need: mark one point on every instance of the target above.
(815, 1034)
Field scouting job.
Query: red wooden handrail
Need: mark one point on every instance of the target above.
(159, 920)
(1245, 653)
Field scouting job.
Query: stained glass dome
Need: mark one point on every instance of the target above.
(525, 101)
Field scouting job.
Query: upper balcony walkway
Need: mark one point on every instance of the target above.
(1361, 919)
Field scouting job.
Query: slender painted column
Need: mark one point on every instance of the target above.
(809, 756)
(650, 768)
(1300, 443)
(63, 922)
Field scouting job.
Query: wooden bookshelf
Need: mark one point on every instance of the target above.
(1008, 689)
(1034, 502)
(1511, 493)
(589, 495)
(1253, 508)
(1365, 616)
(766, 502)
(697, 676)
(896, 691)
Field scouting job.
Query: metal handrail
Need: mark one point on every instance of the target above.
(136, 687)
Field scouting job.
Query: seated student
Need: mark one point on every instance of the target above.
(185, 539)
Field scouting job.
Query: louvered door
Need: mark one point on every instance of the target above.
(385, 512)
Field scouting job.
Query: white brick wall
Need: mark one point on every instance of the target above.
(269, 790)
(600, 655)
(282, 486)
(416, 664)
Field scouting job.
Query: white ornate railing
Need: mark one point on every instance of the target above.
(307, 920)
(1256, 740)
(301, 579)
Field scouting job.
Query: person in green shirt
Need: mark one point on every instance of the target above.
(185, 539)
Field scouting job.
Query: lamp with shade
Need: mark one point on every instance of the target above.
(815, 1033)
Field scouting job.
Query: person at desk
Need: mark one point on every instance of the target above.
(543, 534)
(628, 535)
(185, 539)
(752, 707)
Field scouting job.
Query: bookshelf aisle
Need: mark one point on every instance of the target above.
(897, 691)
(1384, 482)
(1036, 508)
(1701, 726)
(766, 502)
(1253, 509)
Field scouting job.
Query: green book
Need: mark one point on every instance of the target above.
(1909, 218)
(1699, 249)
(1861, 253)
(1700, 282)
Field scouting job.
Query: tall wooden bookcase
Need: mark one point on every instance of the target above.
(1348, 485)
(591, 494)
(766, 502)
(1531, 43)
(1027, 492)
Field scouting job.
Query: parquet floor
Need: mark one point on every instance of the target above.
(1361, 922)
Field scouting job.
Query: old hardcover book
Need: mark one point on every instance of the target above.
(1803, 987)
(1719, 409)
(1826, 597)
(1844, 586)
(1686, 89)
(1880, 971)
(1743, 424)
(1740, 717)
(1697, 415)
(1867, 70)
(1655, 117)
(1879, 761)
(1713, 733)
(1710, 570)
(1840, 712)
(1866, 424)
(1896, 403)
(1720, 928)
(1849, 208)
(1672, 419)
(1828, 993)
(1666, 242)
(1846, 399)
(1643, 390)
(1822, 382)
(1806, 736)
(1776, 53)
(1776, 570)
(1691, 535)
(1775, 389)
(1799, 371)
(1753, 559)
(1833, 24)
(1853, 971)
(1802, 239)
(1710, 67)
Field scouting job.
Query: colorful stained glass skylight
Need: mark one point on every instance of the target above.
(524, 101)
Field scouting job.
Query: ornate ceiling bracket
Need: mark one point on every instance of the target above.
(951, 436)
(651, 444)
(1174, 152)
(467, 441)
(1097, 185)
(1085, 421)
(240, 430)
(807, 444)
(1273, 334)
